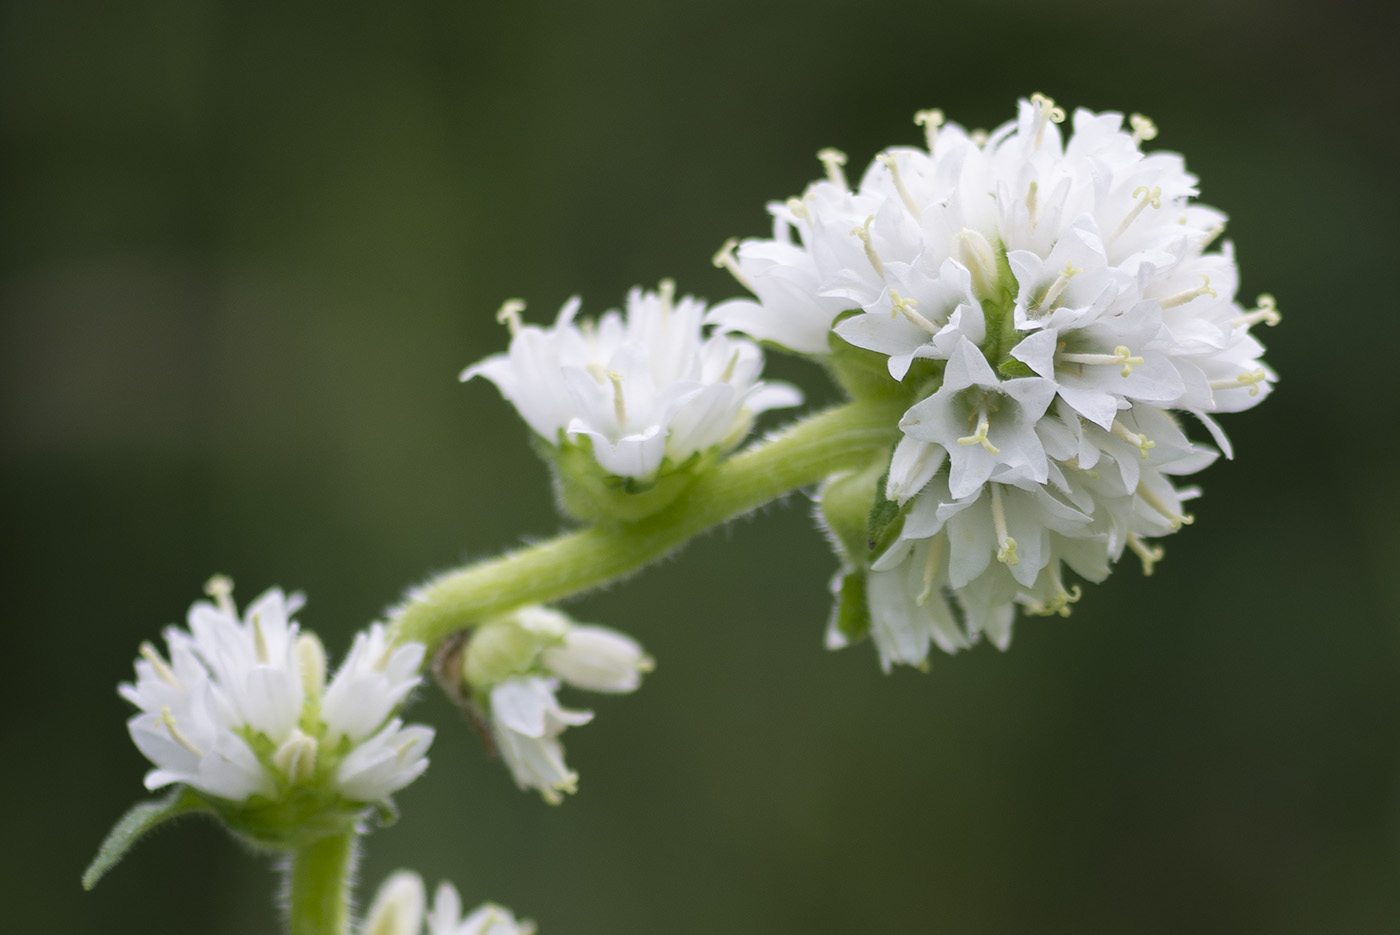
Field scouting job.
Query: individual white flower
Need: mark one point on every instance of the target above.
(598, 659)
(242, 710)
(527, 720)
(398, 909)
(1047, 303)
(644, 388)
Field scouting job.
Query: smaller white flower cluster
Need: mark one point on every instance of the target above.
(646, 390)
(399, 907)
(242, 708)
(513, 667)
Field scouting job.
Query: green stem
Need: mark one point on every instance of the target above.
(837, 440)
(318, 886)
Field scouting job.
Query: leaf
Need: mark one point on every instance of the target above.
(141, 818)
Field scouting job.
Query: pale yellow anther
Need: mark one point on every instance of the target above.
(1056, 288)
(163, 671)
(666, 291)
(725, 260)
(728, 373)
(1031, 202)
(832, 160)
(1126, 358)
(899, 305)
(1140, 441)
(1006, 553)
(1251, 380)
(1267, 312)
(863, 232)
(1046, 112)
(1147, 196)
(978, 137)
(1181, 298)
(1143, 128)
(1212, 233)
(974, 252)
(311, 665)
(798, 207)
(597, 371)
(1061, 601)
(909, 203)
(931, 566)
(980, 437)
(1150, 555)
(509, 315)
(260, 642)
(619, 404)
(930, 120)
(220, 588)
(1174, 519)
(168, 720)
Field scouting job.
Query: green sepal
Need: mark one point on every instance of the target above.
(886, 520)
(846, 502)
(590, 494)
(139, 819)
(851, 614)
(300, 817)
(1011, 367)
(863, 374)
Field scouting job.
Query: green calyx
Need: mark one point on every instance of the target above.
(510, 645)
(589, 494)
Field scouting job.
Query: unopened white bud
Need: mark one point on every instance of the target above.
(598, 659)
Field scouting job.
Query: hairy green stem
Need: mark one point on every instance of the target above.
(318, 886)
(839, 439)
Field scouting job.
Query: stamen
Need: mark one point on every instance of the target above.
(905, 307)
(833, 160)
(1121, 356)
(728, 373)
(1006, 546)
(798, 207)
(296, 758)
(168, 720)
(509, 315)
(1181, 298)
(1150, 196)
(1030, 202)
(1213, 233)
(1176, 520)
(666, 290)
(724, 259)
(976, 254)
(1133, 438)
(619, 406)
(220, 587)
(1056, 287)
(980, 436)
(930, 120)
(1060, 603)
(311, 665)
(904, 195)
(1150, 555)
(935, 558)
(1046, 111)
(978, 137)
(260, 642)
(1267, 312)
(1143, 128)
(1251, 380)
(1073, 463)
(863, 232)
(149, 653)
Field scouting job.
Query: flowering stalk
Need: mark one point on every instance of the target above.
(318, 886)
(837, 440)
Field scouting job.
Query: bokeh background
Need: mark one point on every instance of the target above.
(248, 246)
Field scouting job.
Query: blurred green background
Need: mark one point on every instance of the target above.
(248, 246)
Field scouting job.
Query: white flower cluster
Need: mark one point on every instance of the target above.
(645, 389)
(398, 909)
(1048, 303)
(242, 708)
(514, 665)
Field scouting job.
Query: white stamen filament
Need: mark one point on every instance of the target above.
(1121, 357)
(1176, 520)
(260, 642)
(863, 232)
(1056, 287)
(168, 719)
(509, 315)
(898, 180)
(905, 306)
(666, 290)
(728, 373)
(833, 160)
(1251, 380)
(1181, 298)
(220, 587)
(1143, 128)
(1211, 234)
(724, 259)
(619, 405)
(1046, 111)
(1150, 196)
(1139, 441)
(930, 120)
(931, 565)
(1006, 546)
(149, 653)
(1150, 555)
(976, 254)
(1030, 202)
(1267, 312)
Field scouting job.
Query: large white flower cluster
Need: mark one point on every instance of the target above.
(399, 909)
(241, 709)
(1050, 305)
(644, 389)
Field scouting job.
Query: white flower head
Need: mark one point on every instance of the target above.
(398, 909)
(526, 720)
(643, 388)
(1049, 303)
(241, 710)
